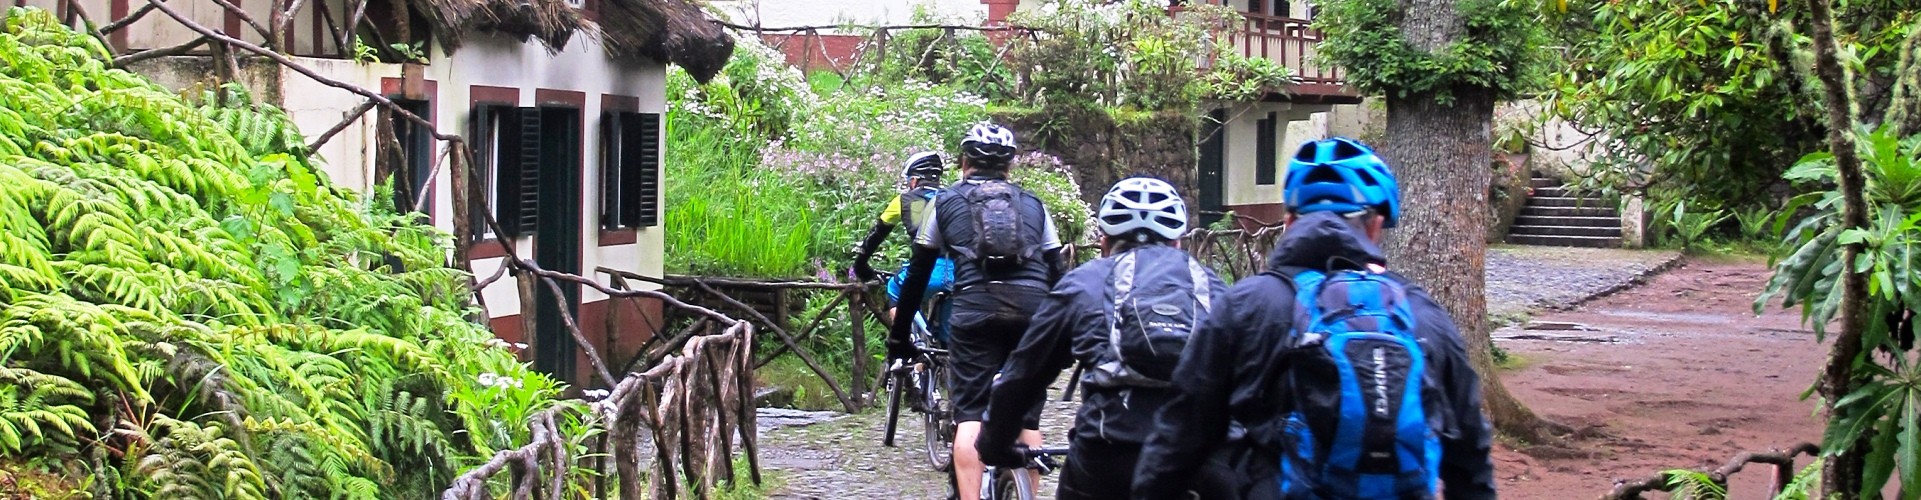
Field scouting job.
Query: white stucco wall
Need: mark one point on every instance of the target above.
(495, 62)
(783, 13)
(1240, 186)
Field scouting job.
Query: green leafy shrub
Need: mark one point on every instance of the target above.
(1885, 408)
(1691, 227)
(748, 200)
(189, 309)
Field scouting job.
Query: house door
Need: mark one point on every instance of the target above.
(557, 227)
(1212, 164)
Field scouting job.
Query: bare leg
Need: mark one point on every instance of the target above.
(967, 462)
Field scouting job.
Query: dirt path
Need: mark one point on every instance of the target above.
(1678, 372)
(1674, 373)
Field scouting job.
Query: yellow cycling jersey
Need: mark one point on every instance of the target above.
(915, 209)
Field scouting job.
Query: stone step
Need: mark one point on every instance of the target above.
(1543, 211)
(1602, 232)
(1531, 220)
(1543, 182)
(1565, 201)
(1556, 191)
(1564, 241)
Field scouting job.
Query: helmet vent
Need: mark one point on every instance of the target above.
(1344, 150)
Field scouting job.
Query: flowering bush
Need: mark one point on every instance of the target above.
(1051, 181)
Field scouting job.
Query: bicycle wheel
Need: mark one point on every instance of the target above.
(1024, 486)
(1006, 484)
(894, 388)
(938, 421)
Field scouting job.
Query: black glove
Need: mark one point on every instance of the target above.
(1004, 455)
(900, 348)
(864, 271)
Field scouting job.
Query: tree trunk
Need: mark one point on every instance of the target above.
(1842, 474)
(1442, 155)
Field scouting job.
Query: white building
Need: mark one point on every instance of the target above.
(562, 100)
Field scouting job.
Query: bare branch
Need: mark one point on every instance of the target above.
(248, 18)
(87, 20)
(303, 70)
(286, 18)
(143, 55)
(131, 18)
(1781, 459)
(351, 117)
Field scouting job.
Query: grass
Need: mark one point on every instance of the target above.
(789, 373)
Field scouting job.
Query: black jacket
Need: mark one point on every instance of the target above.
(1072, 325)
(1226, 371)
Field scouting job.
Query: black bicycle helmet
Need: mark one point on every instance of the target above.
(924, 166)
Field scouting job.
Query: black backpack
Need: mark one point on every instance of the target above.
(1161, 295)
(1001, 242)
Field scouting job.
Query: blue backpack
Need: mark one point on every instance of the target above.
(1363, 409)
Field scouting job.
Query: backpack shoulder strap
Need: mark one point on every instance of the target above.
(1203, 290)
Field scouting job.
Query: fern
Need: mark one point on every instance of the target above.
(179, 273)
(1693, 485)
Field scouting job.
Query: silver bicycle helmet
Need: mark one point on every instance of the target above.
(988, 143)
(1138, 203)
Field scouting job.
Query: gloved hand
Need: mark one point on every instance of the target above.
(898, 347)
(864, 271)
(1003, 455)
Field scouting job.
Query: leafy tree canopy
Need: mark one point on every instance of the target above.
(1713, 99)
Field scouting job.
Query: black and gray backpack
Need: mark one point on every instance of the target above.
(1001, 242)
(1161, 295)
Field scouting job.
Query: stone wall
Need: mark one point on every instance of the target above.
(1102, 149)
(1507, 194)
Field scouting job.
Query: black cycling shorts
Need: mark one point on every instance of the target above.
(988, 321)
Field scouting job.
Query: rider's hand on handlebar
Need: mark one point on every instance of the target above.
(1002, 456)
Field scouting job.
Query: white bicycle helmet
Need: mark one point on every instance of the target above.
(1143, 203)
(988, 142)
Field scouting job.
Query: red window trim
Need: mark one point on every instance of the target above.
(489, 248)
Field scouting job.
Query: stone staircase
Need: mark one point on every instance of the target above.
(1555, 217)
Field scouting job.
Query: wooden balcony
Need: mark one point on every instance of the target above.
(1290, 42)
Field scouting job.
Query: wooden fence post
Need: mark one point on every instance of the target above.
(860, 344)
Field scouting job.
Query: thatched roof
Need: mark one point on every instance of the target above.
(666, 31)
(675, 31)
(551, 21)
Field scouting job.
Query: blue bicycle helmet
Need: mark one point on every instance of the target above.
(1341, 175)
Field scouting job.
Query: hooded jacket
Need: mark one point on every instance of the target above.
(1227, 371)
(1072, 325)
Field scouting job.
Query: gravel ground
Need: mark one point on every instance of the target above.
(826, 455)
(1521, 279)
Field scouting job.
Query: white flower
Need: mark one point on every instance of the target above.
(488, 379)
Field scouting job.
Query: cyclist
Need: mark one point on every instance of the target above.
(1249, 364)
(1006, 255)
(921, 173)
(1141, 221)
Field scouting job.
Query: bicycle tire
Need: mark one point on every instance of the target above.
(1005, 484)
(894, 388)
(938, 421)
(1024, 487)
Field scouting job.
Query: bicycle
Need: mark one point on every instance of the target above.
(925, 380)
(1014, 483)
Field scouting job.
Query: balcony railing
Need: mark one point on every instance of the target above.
(1291, 43)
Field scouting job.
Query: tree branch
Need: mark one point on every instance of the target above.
(182, 49)
(248, 18)
(351, 117)
(1660, 481)
(118, 24)
(1842, 474)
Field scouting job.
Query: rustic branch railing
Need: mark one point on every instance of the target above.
(852, 301)
(692, 408)
(1234, 253)
(1782, 460)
